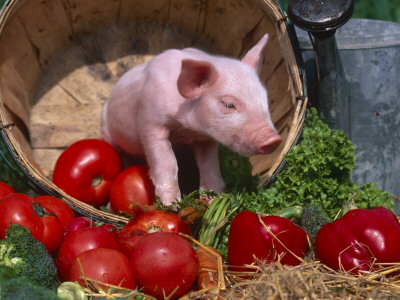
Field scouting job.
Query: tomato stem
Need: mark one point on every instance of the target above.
(40, 210)
(153, 228)
(96, 181)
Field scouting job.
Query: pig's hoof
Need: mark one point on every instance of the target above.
(168, 201)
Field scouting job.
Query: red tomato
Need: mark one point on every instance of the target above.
(18, 208)
(81, 240)
(131, 189)
(104, 265)
(78, 223)
(152, 221)
(43, 224)
(86, 169)
(162, 262)
(129, 238)
(53, 232)
(5, 189)
(57, 206)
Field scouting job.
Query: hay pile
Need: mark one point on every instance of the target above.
(309, 280)
(312, 280)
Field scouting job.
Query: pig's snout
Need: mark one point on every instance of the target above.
(268, 143)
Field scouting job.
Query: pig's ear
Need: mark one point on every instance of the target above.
(196, 76)
(253, 57)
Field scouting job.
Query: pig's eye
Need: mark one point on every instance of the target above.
(228, 105)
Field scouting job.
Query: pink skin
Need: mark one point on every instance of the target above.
(189, 96)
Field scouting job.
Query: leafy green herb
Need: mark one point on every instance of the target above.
(236, 170)
(189, 200)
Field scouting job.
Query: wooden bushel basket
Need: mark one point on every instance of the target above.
(59, 60)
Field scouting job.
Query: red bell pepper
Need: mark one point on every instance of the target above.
(249, 238)
(360, 240)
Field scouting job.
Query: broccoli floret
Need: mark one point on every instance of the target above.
(313, 218)
(21, 288)
(27, 256)
(71, 291)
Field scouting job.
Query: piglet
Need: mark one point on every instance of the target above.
(189, 96)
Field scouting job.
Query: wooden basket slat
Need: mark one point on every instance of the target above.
(188, 15)
(21, 70)
(47, 158)
(62, 129)
(86, 17)
(47, 40)
(280, 93)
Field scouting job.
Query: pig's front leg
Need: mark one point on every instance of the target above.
(206, 154)
(163, 165)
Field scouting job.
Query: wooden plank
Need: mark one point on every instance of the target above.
(85, 80)
(119, 49)
(272, 59)
(12, 94)
(47, 26)
(19, 69)
(57, 124)
(18, 131)
(279, 93)
(154, 11)
(47, 159)
(88, 17)
(231, 25)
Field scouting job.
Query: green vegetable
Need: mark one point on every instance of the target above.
(291, 213)
(6, 273)
(27, 257)
(215, 217)
(71, 291)
(236, 170)
(313, 218)
(189, 200)
(21, 288)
